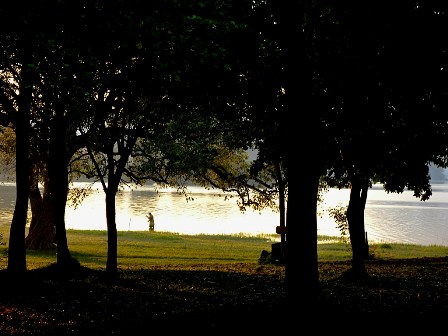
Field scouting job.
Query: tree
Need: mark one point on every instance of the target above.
(26, 45)
(294, 33)
(374, 97)
(125, 101)
(17, 54)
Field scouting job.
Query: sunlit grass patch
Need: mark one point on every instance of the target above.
(145, 249)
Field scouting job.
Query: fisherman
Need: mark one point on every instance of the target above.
(151, 221)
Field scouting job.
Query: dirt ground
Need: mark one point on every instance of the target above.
(225, 298)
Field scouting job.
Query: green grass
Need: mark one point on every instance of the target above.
(339, 251)
(138, 250)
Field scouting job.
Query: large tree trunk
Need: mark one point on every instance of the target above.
(16, 250)
(356, 227)
(364, 192)
(302, 147)
(58, 186)
(36, 202)
(41, 234)
(302, 275)
(112, 245)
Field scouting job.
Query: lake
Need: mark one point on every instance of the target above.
(398, 218)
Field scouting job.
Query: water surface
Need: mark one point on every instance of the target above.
(398, 218)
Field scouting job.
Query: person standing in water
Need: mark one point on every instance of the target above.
(151, 221)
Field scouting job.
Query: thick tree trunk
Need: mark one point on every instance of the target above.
(302, 276)
(36, 203)
(356, 226)
(58, 186)
(302, 146)
(112, 245)
(364, 192)
(16, 250)
(41, 234)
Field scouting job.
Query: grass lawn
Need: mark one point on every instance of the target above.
(143, 249)
(207, 283)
